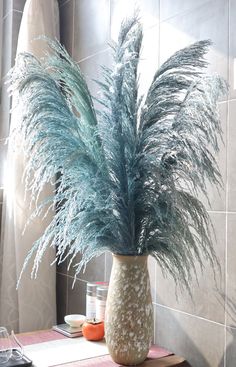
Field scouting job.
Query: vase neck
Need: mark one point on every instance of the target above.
(129, 259)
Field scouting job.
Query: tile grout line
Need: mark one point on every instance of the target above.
(95, 54)
(232, 99)
(221, 212)
(230, 327)
(17, 11)
(6, 15)
(189, 314)
(63, 274)
(11, 11)
(72, 277)
(65, 2)
(184, 12)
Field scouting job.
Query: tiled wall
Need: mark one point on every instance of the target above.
(85, 31)
(203, 328)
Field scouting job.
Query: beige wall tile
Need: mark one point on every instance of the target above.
(231, 157)
(108, 265)
(95, 269)
(1, 197)
(217, 194)
(120, 9)
(232, 48)
(19, 5)
(62, 267)
(231, 271)
(199, 341)
(170, 8)
(3, 153)
(149, 58)
(76, 297)
(62, 2)
(91, 68)
(230, 347)
(91, 27)
(7, 6)
(11, 26)
(6, 44)
(16, 21)
(152, 276)
(4, 111)
(67, 25)
(205, 301)
(62, 297)
(209, 21)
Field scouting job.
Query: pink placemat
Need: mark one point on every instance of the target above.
(39, 337)
(106, 361)
(158, 352)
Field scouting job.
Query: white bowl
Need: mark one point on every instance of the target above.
(75, 320)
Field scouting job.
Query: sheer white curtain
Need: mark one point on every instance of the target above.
(33, 305)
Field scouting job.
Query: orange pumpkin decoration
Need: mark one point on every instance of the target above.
(93, 329)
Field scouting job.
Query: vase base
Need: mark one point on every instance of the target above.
(128, 363)
(130, 360)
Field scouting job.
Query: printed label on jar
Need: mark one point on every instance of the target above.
(90, 307)
(100, 309)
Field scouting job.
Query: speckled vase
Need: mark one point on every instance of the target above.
(129, 310)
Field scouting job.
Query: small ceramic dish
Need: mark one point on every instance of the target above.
(75, 320)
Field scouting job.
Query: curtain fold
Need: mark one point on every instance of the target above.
(33, 305)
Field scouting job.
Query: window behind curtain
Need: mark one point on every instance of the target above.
(1, 122)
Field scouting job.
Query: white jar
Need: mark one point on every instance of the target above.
(91, 300)
(101, 302)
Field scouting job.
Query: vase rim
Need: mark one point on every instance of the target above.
(142, 255)
(129, 257)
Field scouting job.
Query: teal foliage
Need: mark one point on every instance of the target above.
(131, 172)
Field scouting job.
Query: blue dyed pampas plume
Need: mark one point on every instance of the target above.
(129, 173)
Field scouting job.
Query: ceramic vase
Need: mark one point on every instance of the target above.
(129, 310)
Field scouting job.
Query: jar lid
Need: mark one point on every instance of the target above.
(91, 289)
(102, 292)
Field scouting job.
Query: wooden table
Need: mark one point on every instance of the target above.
(158, 357)
(169, 361)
